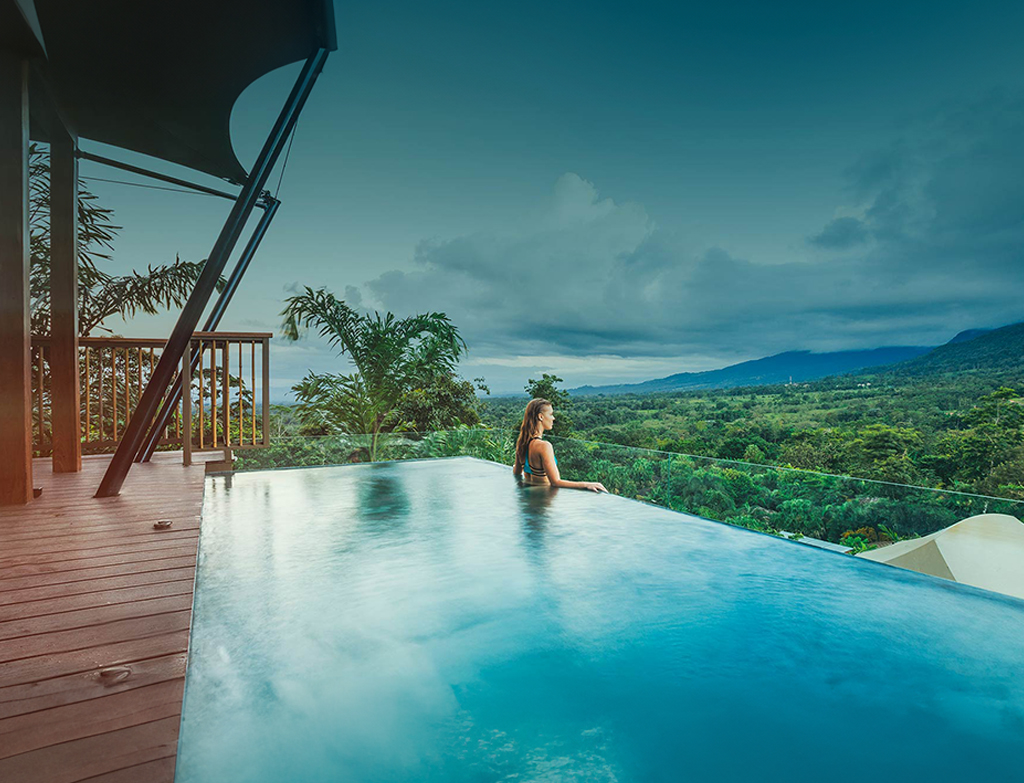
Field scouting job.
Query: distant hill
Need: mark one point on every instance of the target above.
(968, 334)
(781, 368)
(991, 351)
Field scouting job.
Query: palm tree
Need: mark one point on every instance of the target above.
(391, 355)
(100, 295)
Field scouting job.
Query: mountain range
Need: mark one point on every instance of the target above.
(972, 349)
(991, 350)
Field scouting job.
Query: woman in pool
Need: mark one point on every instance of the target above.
(535, 459)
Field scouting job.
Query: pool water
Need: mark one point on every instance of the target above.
(433, 621)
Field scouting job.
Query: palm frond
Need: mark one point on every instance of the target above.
(101, 295)
(148, 292)
(392, 356)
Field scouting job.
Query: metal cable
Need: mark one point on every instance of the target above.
(284, 165)
(149, 187)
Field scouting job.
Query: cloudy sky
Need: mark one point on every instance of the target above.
(619, 193)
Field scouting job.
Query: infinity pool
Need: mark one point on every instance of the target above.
(432, 621)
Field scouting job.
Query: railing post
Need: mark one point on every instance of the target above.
(266, 391)
(99, 393)
(252, 386)
(214, 380)
(227, 393)
(186, 404)
(41, 399)
(202, 422)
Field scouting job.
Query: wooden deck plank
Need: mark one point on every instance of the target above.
(93, 658)
(68, 762)
(72, 576)
(85, 719)
(161, 769)
(149, 637)
(90, 600)
(123, 531)
(65, 622)
(97, 585)
(41, 564)
(90, 543)
(163, 508)
(72, 688)
(86, 585)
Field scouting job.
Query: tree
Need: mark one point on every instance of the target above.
(446, 401)
(392, 356)
(886, 453)
(753, 453)
(546, 389)
(100, 295)
(1007, 479)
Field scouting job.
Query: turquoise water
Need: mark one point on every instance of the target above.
(432, 621)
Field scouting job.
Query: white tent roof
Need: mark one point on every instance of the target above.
(985, 551)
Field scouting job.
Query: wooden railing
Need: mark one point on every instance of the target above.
(229, 384)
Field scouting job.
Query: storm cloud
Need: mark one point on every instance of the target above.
(929, 243)
(841, 233)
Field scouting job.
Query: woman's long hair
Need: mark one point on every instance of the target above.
(529, 427)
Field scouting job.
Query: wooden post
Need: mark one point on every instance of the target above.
(186, 404)
(241, 406)
(88, 394)
(113, 384)
(227, 393)
(201, 444)
(99, 393)
(252, 387)
(214, 380)
(65, 402)
(266, 391)
(40, 395)
(15, 335)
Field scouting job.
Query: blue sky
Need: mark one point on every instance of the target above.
(623, 192)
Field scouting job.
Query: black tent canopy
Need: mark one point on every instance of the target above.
(162, 78)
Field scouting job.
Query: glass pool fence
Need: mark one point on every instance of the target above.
(853, 512)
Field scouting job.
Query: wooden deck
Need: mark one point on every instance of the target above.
(94, 622)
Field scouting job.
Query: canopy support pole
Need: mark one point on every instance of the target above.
(184, 183)
(170, 359)
(152, 440)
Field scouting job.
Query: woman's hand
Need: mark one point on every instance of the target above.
(547, 457)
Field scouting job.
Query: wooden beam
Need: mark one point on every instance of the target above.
(15, 335)
(64, 389)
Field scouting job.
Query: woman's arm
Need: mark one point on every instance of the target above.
(547, 456)
(517, 467)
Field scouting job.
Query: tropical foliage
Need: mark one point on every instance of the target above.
(100, 294)
(446, 401)
(960, 432)
(395, 360)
